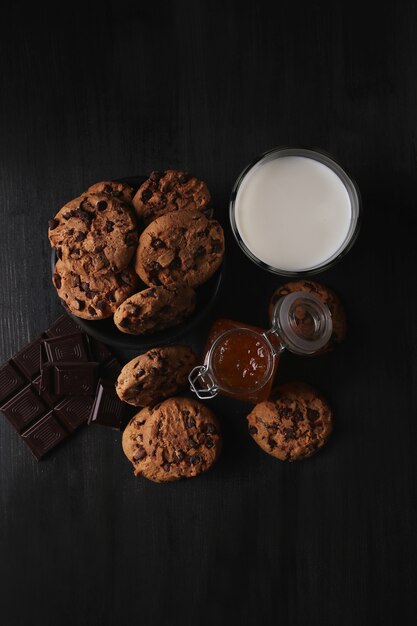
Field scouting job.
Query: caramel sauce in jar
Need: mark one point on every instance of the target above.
(241, 360)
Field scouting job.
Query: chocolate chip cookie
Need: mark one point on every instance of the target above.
(179, 438)
(168, 191)
(112, 189)
(154, 309)
(327, 296)
(157, 374)
(94, 233)
(93, 297)
(294, 424)
(180, 247)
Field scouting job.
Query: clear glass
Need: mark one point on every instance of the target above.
(352, 190)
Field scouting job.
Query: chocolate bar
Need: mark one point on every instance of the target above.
(47, 389)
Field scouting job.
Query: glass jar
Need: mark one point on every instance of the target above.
(241, 360)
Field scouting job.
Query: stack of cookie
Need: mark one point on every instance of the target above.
(101, 257)
(177, 438)
(95, 237)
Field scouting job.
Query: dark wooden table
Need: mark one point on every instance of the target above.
(113, 89)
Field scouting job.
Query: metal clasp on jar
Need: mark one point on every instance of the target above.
(207, 388)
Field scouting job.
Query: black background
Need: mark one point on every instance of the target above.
(105, 90)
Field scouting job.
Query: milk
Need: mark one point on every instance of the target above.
(293, 212)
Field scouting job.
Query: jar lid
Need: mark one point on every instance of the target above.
(302, 322)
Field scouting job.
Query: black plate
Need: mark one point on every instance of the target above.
(107, 332)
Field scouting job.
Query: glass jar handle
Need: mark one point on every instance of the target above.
(207, 388)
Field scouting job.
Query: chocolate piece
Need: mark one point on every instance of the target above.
(24, 408)
(10, 381)
(107, 409)
(73, 412)
(28, 359)
(99, 351)
(47, 397)
(66, 348)
(111, 370)
(44, 435)
(74, 379)
(70, 379)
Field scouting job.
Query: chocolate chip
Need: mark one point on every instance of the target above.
(175, 263)
(289, 433)
(311, 286)
(110, 297)
(154, 269)
(139, 373)
(108, 190)
(179, 454)
(157, 244)
(67, 214)
(211, 429)
(199, 252)
(85, 287)
(192, 443)
(124, 323)
(109, 226)
(139, 454)
(101, 205)
(104, 260)
(116, 193)
(209, 443)
(195, 459)
(203, 233)
(126, 278)
(77, 281)
(184, 178)
(216, 247)
(70, 232)
(80, 304)
(312, 415)
(253, 430)
(99, 248)
(84, 215)
(166, 467)
(156, 176)
(190, 422)
(101, 305)
(53, 224)
(76, 251)
(298, 415)
(284, 412)
(150, 293)
(59, 253)
(130, 239)
(57, 281)
(92, 311)
(271, 443)
(146, 195)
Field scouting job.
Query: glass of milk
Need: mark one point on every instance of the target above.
(295, 211)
